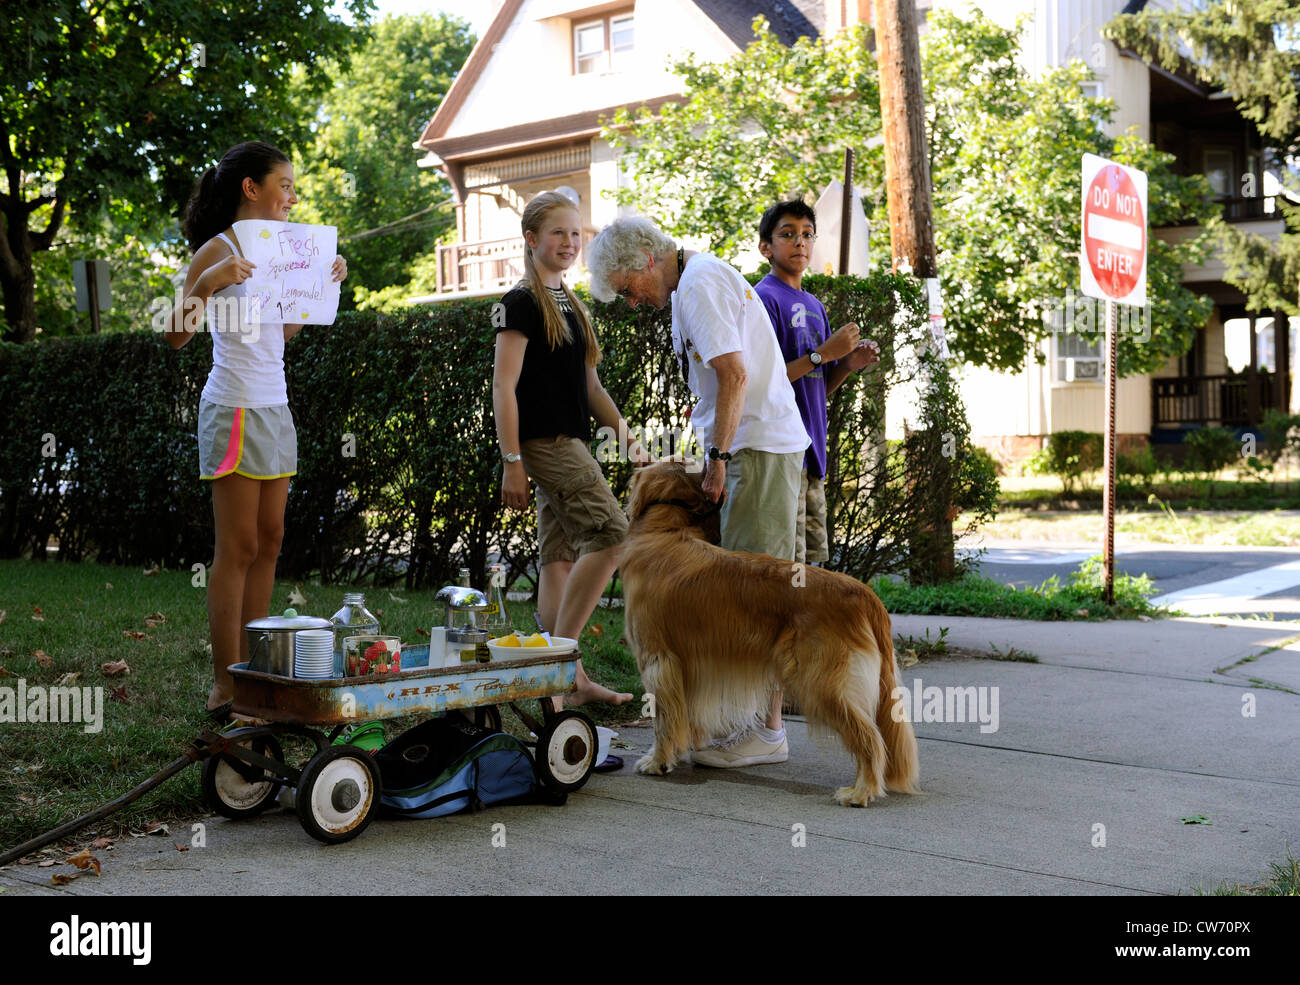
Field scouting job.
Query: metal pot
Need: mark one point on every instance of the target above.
(270, 642)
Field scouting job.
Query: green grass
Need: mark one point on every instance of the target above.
(1248, 529)
(1283, 879)
(1078, 598)
(1224, 491)
(51, 773)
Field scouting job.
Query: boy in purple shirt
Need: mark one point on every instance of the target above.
(816, 361)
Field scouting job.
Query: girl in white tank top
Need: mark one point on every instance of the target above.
(248, 446)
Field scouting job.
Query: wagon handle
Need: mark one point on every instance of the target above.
(192, 755)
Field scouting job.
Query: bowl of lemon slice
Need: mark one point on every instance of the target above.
(514, 646)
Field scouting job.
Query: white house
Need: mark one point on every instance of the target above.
(524, 115)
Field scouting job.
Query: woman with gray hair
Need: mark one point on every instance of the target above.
(746, 415)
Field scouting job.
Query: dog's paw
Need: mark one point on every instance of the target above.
(853, 797)
(650, 766)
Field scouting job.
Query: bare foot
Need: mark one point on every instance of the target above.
(588, 691)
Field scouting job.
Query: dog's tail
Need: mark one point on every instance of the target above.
(902, 768)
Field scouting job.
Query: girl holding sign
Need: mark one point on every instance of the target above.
(247, 443)
(544, 393)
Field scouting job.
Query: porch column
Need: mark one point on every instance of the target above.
(1282, 350)
(1252, 380)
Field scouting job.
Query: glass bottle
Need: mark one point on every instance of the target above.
(354, 619)
(463, 581)
(498, 616)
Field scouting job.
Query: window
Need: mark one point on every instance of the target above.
(1218, 171)
(1077, 359)
(603, 45)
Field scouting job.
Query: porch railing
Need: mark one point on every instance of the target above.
(1225, 401)
(486, 264)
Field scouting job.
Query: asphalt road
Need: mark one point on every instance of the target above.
(1239, 581)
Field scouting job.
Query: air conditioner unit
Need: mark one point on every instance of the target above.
(1082, 369)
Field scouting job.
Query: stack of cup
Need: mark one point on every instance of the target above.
(313, 654)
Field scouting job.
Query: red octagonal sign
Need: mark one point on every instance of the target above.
(1113, 264)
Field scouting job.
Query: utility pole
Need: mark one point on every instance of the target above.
(911, 232)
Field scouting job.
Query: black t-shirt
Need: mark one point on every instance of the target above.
(552, 387)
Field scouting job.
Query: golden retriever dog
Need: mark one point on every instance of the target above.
(715, 631)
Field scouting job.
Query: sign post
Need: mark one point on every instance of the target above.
(1112, 267)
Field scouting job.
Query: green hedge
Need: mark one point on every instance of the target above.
(398, 469)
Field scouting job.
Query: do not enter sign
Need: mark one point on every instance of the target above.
(1113, 260)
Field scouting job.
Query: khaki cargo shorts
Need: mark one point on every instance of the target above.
(758, 514)
(576, 512)
(810, 543)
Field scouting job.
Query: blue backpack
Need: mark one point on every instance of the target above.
(447, 765)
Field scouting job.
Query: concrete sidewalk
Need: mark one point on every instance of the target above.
(1120, 731)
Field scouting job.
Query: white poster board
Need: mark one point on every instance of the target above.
(291, 282)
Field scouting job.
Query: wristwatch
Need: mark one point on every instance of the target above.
(512, 457)
(718, 456)
(815, 358)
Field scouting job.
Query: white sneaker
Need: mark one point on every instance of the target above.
(745, 749)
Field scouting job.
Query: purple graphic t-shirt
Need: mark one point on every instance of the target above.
(801, 326)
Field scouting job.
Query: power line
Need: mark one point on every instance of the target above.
(391, 226)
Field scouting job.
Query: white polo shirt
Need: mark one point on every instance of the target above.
(715, 311)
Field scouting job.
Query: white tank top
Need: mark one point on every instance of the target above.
(247, 360)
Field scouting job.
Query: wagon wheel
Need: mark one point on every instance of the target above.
(566, 751)
(236, 789)
(338, 794)
(488, 717)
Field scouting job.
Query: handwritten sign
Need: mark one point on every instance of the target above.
(292, 282)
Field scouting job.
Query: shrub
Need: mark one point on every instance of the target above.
(1138, 469)
(1281, 434)
(398, 468)
(1071, 456)
(1210, 449)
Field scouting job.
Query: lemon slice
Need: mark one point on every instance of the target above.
(537, 639)
(511, 640)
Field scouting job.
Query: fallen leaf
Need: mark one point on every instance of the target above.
(108, 585)
(133, 634)
(1144, 618)
(46, 864)
(84, 860)
(6, 672)
(152, 571)
(596, 630)
(24, 798)
(157, 617)
(37, 614)
(81, 601)
(101, 843)
(115, 668)
(119, 694)
(396, 599)
(3, 613)
(180, 847)
(43, 658)
(422, 632)
(1081, 612)
(68, 679)
(63, 878)
(379, 613)
(151, 623)
(296, 597)
(156, 828)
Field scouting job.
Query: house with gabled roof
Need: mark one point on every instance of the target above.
(524, 115)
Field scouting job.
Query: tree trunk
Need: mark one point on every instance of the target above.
(17, 279)
(911, 232)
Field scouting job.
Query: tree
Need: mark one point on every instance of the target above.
(1005, 157)
(127, 100)
(1251, 51)
(361, 175)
